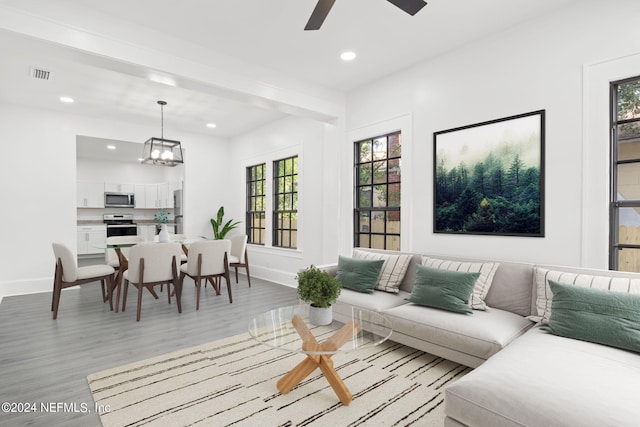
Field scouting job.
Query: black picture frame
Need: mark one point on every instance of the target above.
(488, 178)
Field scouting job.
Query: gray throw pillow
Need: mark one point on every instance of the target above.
(445, 289)
(595, 315)
(359, 275)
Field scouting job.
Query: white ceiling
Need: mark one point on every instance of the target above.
(262, 34)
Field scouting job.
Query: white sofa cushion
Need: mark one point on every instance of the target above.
(480, 334)
(393, 269)
(486, 269)
(544, 380)
(544, 298)
(377, 301)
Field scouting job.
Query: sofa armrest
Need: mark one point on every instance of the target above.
(331, 269)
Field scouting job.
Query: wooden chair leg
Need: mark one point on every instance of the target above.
(124, 295)
(198, 285)
(246, 267)
(104, 293)
(236, 274)
(140, 287)
(110, 291)
(56, 298)
(226, 276)
(178, 287)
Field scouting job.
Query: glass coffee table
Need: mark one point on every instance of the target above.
(288, 329)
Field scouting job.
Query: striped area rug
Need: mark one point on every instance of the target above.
(232, 382)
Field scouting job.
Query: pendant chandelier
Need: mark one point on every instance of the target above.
(160, 151)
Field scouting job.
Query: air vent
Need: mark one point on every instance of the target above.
(39, 73)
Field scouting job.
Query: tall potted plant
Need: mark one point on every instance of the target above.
(321, 290)
(220, 228)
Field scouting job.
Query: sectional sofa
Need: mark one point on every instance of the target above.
(524, 375)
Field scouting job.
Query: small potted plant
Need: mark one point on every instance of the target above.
(321, 290)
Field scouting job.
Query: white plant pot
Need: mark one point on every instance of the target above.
(320, 316)
(163, 236)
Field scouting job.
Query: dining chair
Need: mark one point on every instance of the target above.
(152, 264)
(239, 256)
(68, 274)
(175, 238)
(110, 255)
(208, 260)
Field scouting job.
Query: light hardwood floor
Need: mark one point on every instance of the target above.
(45, 361)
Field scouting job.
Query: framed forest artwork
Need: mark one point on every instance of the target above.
(489, 177)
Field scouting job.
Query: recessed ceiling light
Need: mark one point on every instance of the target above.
(348, 56)
(211, 125)
(66, 99)
(111, 147)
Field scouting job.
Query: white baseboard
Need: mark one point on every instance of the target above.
(26, 286)
(277, 276)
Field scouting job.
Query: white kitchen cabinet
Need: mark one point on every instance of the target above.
(90, 194)
(156, 196)
(148, 231)
(140, 196)
(91, 239)
(119, 188)
(165, 200)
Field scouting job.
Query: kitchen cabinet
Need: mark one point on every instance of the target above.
(90, 194)
(157, 196)
(148, 231)
(140, 196)
(119, 188)
(91, 239)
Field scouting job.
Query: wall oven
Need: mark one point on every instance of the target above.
(120, 225)
(119, 200)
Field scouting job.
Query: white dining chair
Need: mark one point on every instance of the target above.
(68, 274)
(239, 256)
(110, 255)
(208, 260)
(152, 264)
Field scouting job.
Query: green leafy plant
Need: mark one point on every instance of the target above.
(162, 217)
(318, 287)
(220, 228)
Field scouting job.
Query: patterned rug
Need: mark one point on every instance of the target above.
(232, 382)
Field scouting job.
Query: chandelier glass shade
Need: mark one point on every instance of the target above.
(161, 151)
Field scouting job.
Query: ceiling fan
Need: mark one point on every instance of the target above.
(324, 6)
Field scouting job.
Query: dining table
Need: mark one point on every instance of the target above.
(123, 263)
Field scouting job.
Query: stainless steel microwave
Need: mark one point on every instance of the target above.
(119, 200)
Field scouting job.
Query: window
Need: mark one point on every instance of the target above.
(624, 235)
(285, 202)
(256, 194)
(377, 192)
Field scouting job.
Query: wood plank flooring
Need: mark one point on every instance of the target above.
(46, 361)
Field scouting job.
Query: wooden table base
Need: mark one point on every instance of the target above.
(322, 361)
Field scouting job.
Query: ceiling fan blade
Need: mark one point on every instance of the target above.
(319, 14)
(410, 6)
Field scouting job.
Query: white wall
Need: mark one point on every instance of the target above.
(39, 187)
(534, 66)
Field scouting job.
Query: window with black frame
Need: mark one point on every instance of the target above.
(377, 192)
(285, 203)
(624, 252)
(256, 198)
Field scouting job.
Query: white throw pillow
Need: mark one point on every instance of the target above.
(541, 277)
(392, 272)
(486, 269)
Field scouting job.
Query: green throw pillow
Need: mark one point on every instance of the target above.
(595, 315)
(358, 274)
(448, 290)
